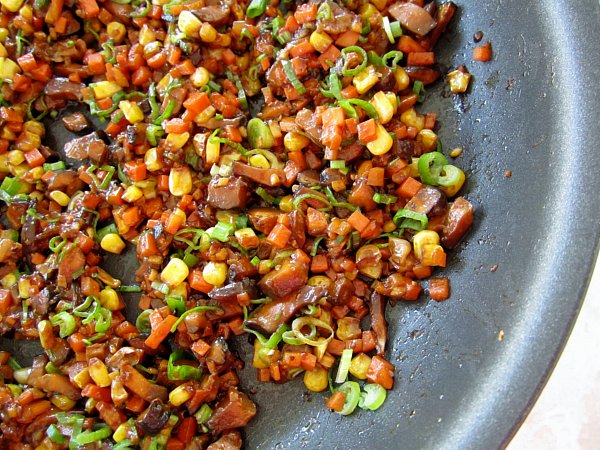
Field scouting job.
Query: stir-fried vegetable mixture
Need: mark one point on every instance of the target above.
(271, 166)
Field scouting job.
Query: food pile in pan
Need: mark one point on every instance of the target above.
(274, 169)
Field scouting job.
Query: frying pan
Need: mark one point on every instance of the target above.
(469, 369)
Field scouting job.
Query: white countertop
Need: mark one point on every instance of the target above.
(567, 413)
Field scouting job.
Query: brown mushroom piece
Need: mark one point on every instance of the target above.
(228, 193)
(290, 277)
(90, 146)
(429, 201)
(234, 410)
(458, 222)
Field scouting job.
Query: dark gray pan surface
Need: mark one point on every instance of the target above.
(523, 269)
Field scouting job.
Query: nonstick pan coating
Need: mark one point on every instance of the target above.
(470, 368)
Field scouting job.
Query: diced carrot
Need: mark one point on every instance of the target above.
(329, 57)
(135, 404)
(306, 13)
(174, 223)
(110, 414)
(157, 61)
(160, 333)
(236, 326)
(187, 430)
(409, 188)
(163, 183)
(174, 55)
(347, 38)
(33, 410)
(200, 348)
(302, 48)
(369, 340)
(196, 281)
(279, 236)
(135, 170)
(291, 24)
(6, 300)
(176, 126)
(335, 347)
(352, 125)
(265, 63)
(350, 92)
(406, 44)
(229, 57)
(319, 264)
(27, 62)
(420, 59)
(292, 359)
(96, 63)
(263, 375)
(430, 119)
(413, 290)
(381, 372)
(376, 177)
(175, 444)
(367, 131)
(483, 53)
(275, 371)
(358, 221)
(332, 137)
(89, 8)
(54, 11)
(421, 271)
(43, 72)
(334, 116)
(34, 158)
(96, 392)
(309, 361)
(439, 289)
(336, 401)
(76, 342)
(141, 76)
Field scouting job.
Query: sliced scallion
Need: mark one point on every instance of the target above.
(344, 366)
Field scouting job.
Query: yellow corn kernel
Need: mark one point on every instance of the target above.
(226, 216)
(208, 33)
(286, 204)
(24, 285)
(20, 171)
(383, 106)
(382, 143)
(132, 194)
(367, 11)
(6, 133)
(259, 161)
(181, 290)
(35, 127)
(458, 81)
(215, 273)
(15, 157)
(319, 280)
(453, 189)
(60, 197)
(175, 272)
(90, 405)
(200, 77)
(212, 152)
(131, 111)
(112, 243)
(151, 160)
(410, 118)
(423, 238)
(8, 68)
(360, 365)
(189, 24)
(62, 402)
(260, 357)
(121, 433)
(180, 181)
(177, 140)
(428, 140)
(3, 34)
(8, 281)
(294, 142)
(389, 226)
(28, 141)
(180, 394)
(36, 173)
(12, 5)
(110, 299)
(26, 12)
(430, 253)
(146, 35)
(99, 372)
(320, 41)
(365, 79)
(402, 79)
(3, 52)
(104, 89)
(117, 31)
(379, 4)
(205, 115)
(316, 380)
(4, 163)
(455, 153)
(46, 335)
(275, 129)
(118, 394)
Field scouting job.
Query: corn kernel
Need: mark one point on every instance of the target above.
(379, 4)
(36, 173)
(99, 372)
(90, 404)
(117, 31)
(46, 335)
(458, 81)
(382, 143)
(455, 153)
(4, 163)
(118, 394)
(212, 152)
(175, 272)
(180, 395)
(223, 40)
(200, 77)
(205, 115)
(3, 34)
(320, 41)
(131, 111)
(8, 281)
(259, 161)
(26, 12)
(316, 380)
(208, 33)
(367, 11)
(146, 35)
(365, 79)
(215, 273)
(20, 171)
(35, 127)
(181, 290)
(151, 160)
(110, 299)
(12, 5)
(104, 89)
(60, 197)
(189, 24)
(402, 79)
(6, 132)
(121, 433)
(3, 52)
(428, 140)
(132, 194)
(112, 243)
(360, 365)
(389, 226)
(62, 402)
(423, 238)
(15, 157)
(383, 106)
(453, 189)
(410, 118)
(294, 142)
(180, 181)
(431, 255)
(175, 141)
(286, 204)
